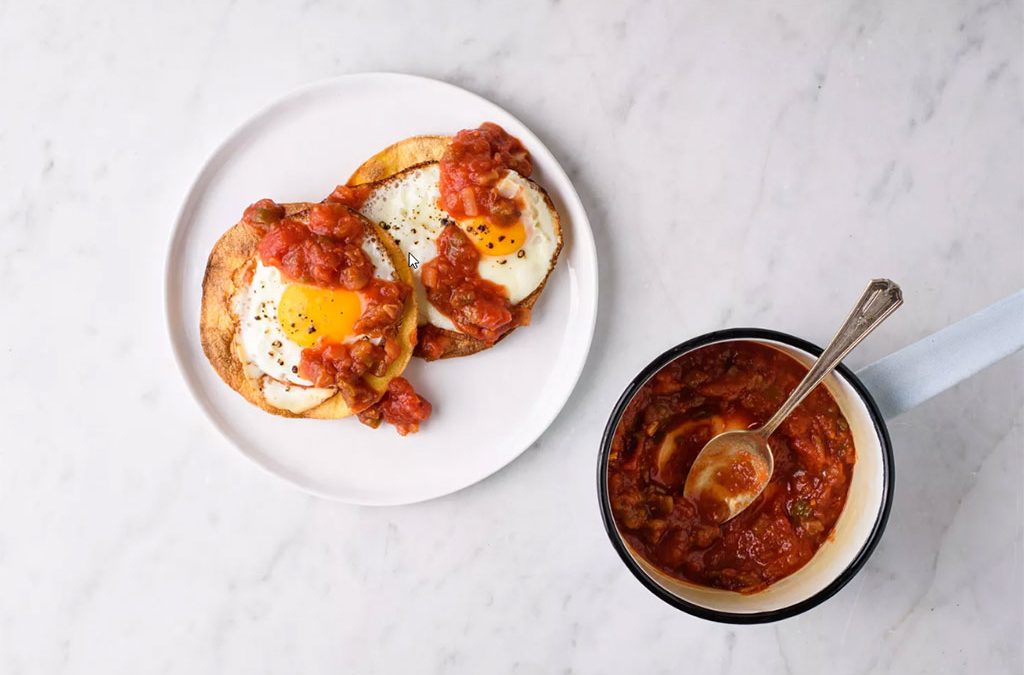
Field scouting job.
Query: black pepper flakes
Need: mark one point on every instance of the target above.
(312, 329)
(295, 369)
(521, 254)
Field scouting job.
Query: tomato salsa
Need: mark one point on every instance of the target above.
(478, 307)
(471, 172)
(352, 196)
(720, 387)
(400, 406)
(475, 161)
(325, 249)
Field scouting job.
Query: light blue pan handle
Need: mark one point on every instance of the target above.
(914, 374)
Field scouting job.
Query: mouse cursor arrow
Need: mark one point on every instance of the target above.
(413, 262)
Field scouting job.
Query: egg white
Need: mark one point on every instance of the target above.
(294, 398)
(407, 207)
(266, 351)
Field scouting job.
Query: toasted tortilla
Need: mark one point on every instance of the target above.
(399, 157)
(408, 155)
(230, 263)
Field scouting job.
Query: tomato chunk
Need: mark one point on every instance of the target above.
(385, 301)
(351, 196)
(433, 342)
(262, 214)
(400, 406)
(336, 221)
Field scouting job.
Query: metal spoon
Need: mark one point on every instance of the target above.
(735, 466)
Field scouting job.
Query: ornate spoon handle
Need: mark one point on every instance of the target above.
(881, 299)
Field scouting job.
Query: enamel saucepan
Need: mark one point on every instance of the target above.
(867, 399)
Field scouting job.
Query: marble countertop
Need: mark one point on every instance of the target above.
(742, 164)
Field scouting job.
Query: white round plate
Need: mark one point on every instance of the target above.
(489, 407)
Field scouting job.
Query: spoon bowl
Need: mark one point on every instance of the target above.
(730, 472)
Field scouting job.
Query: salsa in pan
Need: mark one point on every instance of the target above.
(720, 387)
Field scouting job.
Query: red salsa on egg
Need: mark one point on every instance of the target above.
(721, 387)
(476, 160)
(478, 307)
(471, 172)
(324, 249)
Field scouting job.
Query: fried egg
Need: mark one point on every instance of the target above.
(517, 257)
(278, 318)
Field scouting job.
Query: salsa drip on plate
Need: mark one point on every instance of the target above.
(716, 388)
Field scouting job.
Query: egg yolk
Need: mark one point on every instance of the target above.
(309, 313)
(494, 240)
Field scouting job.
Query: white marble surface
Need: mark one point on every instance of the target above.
(742, 165)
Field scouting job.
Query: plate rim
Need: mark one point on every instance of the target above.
(582, 236)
